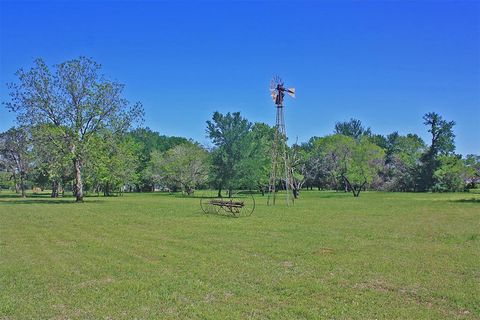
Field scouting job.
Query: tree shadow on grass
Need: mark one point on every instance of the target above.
(471, 200)
(29, 196)
(32, 200)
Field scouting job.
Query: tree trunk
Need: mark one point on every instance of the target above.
(54, 193)
(295, 193)
(219, 192)
(78, 180)
(15, 182)
(106, 189)
(22, 186)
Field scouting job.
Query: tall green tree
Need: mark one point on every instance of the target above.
(258, 165)
(77, 99)
(230, 133)
(442, 143)
(402, 159)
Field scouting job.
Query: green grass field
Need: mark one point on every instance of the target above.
(331, 256)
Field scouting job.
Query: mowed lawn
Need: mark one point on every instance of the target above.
(155, 256)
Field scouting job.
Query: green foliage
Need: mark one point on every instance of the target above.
(111, 163)
(352, 128)
(53, 163)
(150, 141)
(472, 171)
(257, 166)
(442, 143)
(304, 166)
(379, 140)
(83, 139)
(6, 181)
(448, 176)
(185, 166)
(442, 134)
(233, 152)
(402, 161)
(354, 162)
(15, 156)
(75, 98)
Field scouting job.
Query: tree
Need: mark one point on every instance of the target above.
(472, 170)
(304, 167)
(442, 143)
(402, 161)
(185, 165)
(148, 142)
(76, 99)
(332, 151)
(230, 135)
(449, 175)
(352, 128)
(52, 162)
(111, 162)
(365, 164)
(14, 155)
(356, 163)
(258, 165)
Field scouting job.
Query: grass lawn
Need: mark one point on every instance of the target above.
(331, 256)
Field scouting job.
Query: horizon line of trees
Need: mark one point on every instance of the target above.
(77, 133)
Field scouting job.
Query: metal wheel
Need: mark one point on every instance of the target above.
(240, 204)
(208, 207)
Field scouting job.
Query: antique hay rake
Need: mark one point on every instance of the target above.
(237, 205)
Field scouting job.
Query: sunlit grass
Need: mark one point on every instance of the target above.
(382, 255)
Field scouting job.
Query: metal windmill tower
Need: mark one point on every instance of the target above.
(281, 171)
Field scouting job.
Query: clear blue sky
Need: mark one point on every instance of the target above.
(385, 63)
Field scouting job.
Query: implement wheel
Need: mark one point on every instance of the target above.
(207, 205)
(240, 204)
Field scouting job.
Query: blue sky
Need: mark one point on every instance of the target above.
(385, 63)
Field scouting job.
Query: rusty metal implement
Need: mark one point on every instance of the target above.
(237, 205)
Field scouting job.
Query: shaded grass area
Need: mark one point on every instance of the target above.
(148, 256)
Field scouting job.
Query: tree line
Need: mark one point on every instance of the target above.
(77, 133)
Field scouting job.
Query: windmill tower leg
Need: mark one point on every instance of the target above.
(280, 163)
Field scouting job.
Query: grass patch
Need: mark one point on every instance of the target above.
(147, 256)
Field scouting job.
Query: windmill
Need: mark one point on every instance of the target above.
(280, 165)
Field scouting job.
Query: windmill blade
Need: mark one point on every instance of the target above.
(273, 84)
(274, 95)
(276, 80)
(291, 92)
